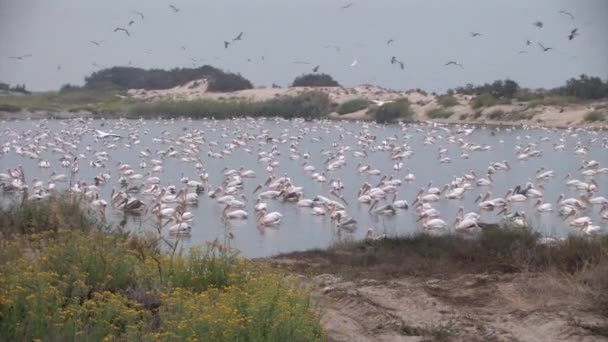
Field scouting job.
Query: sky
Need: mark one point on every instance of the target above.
(277, 33)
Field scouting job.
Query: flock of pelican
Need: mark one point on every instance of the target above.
(323, 150)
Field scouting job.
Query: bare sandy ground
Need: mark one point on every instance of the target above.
(469, 307)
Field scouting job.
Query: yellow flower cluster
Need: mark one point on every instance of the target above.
(100, 286)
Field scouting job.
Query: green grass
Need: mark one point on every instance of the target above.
(96, 101)
(439, 113)
(5, 107)
(552, 101)
(595, 116)
(447, 101)
(68, 278)
(353, 105)
(487, 100)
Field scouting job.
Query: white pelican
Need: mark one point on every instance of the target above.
(543, 207)
(269, 219)
(234, 215)
(577, 221)
(588, 229)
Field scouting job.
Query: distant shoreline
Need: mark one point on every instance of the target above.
(184, 101)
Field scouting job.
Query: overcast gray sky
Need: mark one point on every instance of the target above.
(427, 33)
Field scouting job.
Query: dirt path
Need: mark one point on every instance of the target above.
(523, 307)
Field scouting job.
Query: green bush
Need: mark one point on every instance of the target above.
(308, 105)
(399, 109)
(585, 87)
(496, 114)
(501, 89)
(353, 105)
(447, 100)
(595, 116)
(488, 100)
(5, 107)
(315, 80)
(439, 113)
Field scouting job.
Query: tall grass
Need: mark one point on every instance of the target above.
(86, 283)
(95, 101)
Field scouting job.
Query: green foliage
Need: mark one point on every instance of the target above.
(91, 285)
(595, 116)
(552, 101)
(439, 113)
(353, 105)
(487, 100)
(6, 107)
(52, 214)
(315, 80)
(128, 78)
(399, 109)
(585, 87)
(307, 105)
(447, 100)
(499, 89)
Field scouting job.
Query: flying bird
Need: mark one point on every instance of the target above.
(454, 63)
(401, 64)
(567, 13)
(381, 103)
(522, 52)
(573, 34)
(545, 49)
(390, 41)
(226, 44)
(348, 5)
(123, 30)
(20, 58)
(538, 24)
(175, 9)
(131, 22)
(239, 37)
(96, 42)
(528, 42)
(354, 63)
(393, 60)
(139, 14)
(475, 34)
(315, 69)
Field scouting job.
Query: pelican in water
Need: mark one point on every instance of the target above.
(234, 215)
(269, 219)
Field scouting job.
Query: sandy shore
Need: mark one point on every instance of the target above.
(517, 113)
